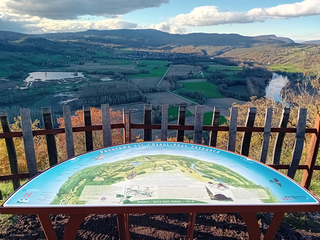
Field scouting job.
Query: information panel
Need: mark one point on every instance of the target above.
(158, 173)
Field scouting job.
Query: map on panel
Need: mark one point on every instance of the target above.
(157, 173)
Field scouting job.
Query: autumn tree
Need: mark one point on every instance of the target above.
(39, 145)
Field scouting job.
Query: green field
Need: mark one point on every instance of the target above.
(156, 68)
(285, 68)
(209, 90)
(217, 66)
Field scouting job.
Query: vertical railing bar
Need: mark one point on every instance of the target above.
(50, 138)
(280, 136)
(181, 122)
(147, 133)
(124, 120)
(87, 122)
(266, 135)
(129, 126)
(68, 131)
(233, 129)
(198, 124)
(164, 123)
(28, 141)
(247, 135)
(312, 155)
(298, 146)
(106, 126)
(215, 123)
(10, 148)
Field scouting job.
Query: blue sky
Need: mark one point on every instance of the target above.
(298, 20)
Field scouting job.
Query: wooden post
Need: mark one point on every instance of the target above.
(312, 155)
(233, 129)
(298, 147)
(280, 137)
(247, 135)
(215, 123)
(51, 141)
(129, 127)
(198, 124)
(106, 125)
(125, 126)
(87, 122)
(164, 123)
(147, 133)
(28, 141)
(10, 148)
(181, 122)
(266, 135)
(68, 131)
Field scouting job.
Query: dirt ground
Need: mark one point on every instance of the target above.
(155, 227)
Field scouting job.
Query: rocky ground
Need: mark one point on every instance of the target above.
(165, 227)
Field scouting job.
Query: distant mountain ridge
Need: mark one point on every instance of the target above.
(311, 42)
(150, 38)
(155, 38)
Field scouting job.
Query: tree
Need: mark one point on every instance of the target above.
(39, 145)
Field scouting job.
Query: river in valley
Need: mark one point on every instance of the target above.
(273, 90)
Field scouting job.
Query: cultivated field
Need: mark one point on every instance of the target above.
(147, 82)
(182, 70)
(99, 66)
(160, 98)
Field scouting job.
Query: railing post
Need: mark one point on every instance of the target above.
(10, 148)
(51, 141)
(198, 124)
(129, 127)
(181, 122)
(215, 123)
(280, 137)
(233, 129)
(164, 123)
(28, 141)
(312, 155)
(124, 120)
(147, 133)
(106, 126)
(87, 122)
(68, 131)
(266, 135)
(298, 146)
(247, 135)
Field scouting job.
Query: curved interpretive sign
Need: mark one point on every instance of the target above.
(158, 173)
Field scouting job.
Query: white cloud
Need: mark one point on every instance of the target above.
(71, 9)
(72, 25)
(167, 27)
(210, 15)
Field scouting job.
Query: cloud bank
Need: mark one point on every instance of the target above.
(211, 15)
(71, 9)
